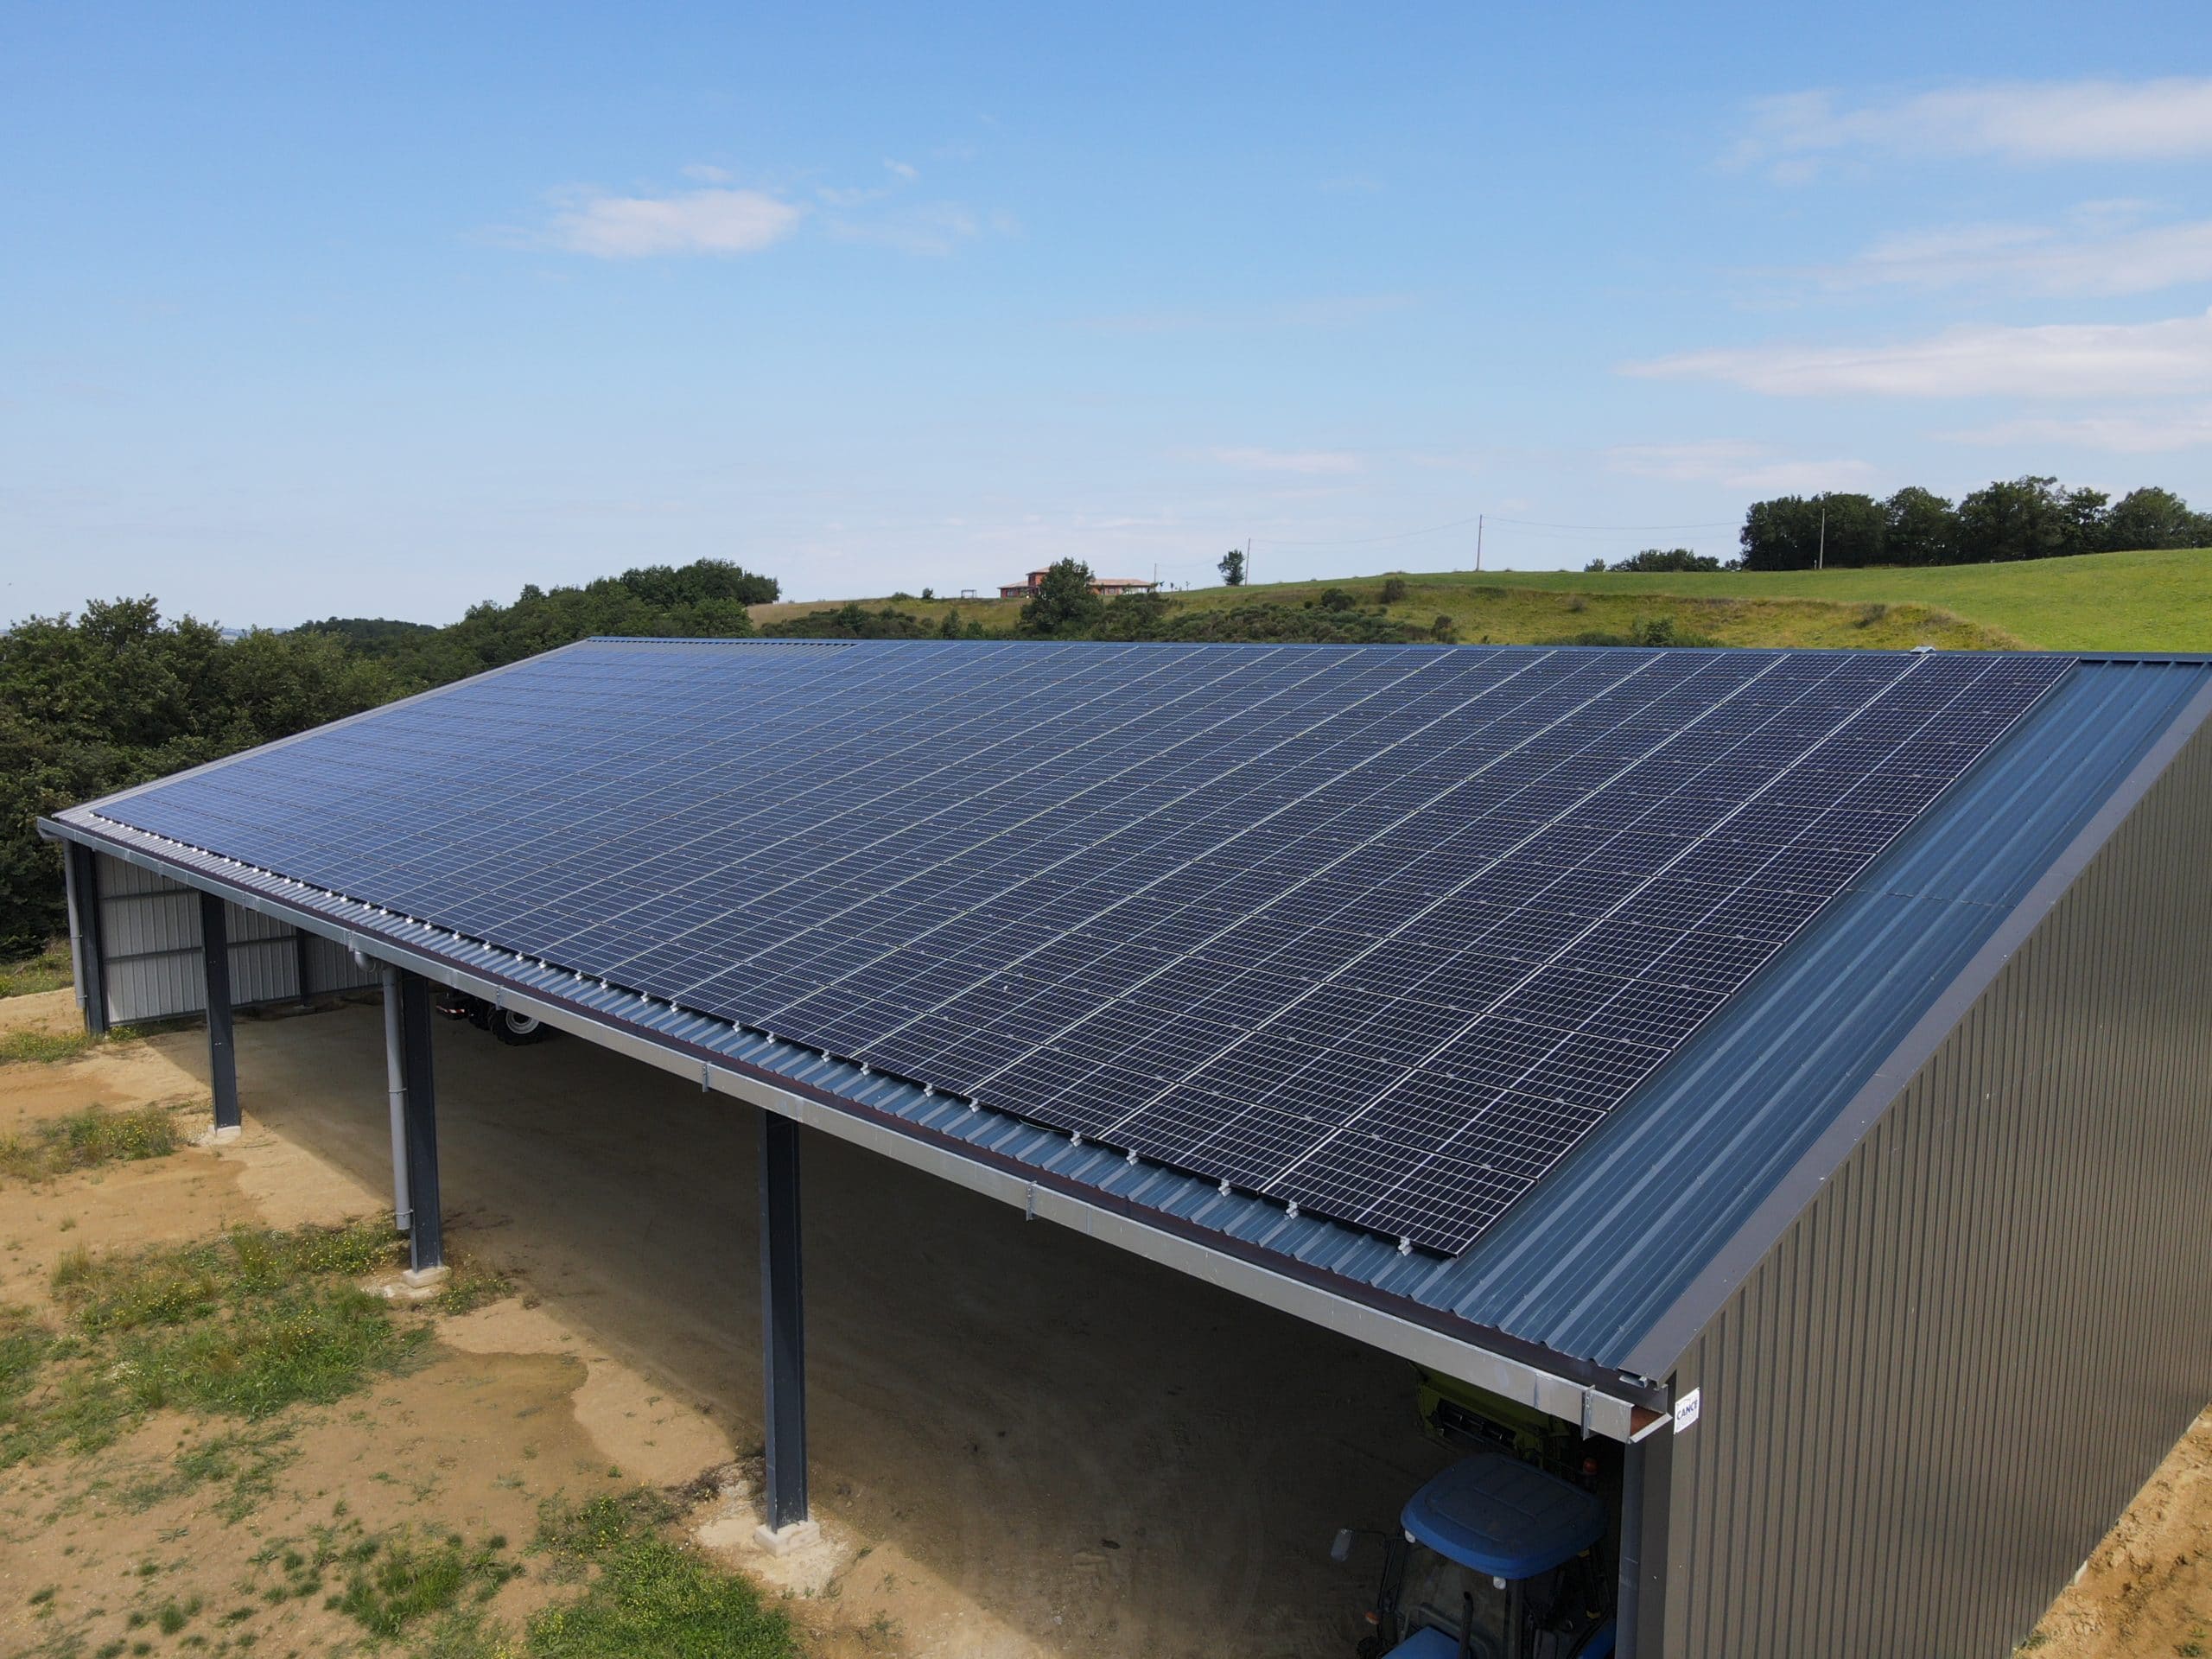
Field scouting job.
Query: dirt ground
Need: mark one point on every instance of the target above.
(2148, 1589)
(1024, 1443)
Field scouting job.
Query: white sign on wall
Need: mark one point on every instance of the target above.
(1687, 1409)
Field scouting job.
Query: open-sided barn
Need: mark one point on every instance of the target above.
(1792, 1069)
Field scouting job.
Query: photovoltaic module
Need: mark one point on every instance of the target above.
(1382, 932)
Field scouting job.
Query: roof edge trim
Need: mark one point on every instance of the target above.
(1603, 1401)
(1661, 1346)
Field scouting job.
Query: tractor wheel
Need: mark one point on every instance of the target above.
(514, 1026)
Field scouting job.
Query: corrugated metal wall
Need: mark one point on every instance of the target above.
(1927, 1404)
(149, 935)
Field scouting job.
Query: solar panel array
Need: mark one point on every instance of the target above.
(1378, 931)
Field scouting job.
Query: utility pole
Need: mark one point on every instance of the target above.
(1247, 561)
(1478, 543)
(1821, 557)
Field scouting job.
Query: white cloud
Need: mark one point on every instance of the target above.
(902, 169)
(2111, 360)
(2141, 432)
(1311, 462)
(701, 173)
(717, 221)
(2168, 119)
(2084, 257)
(1737, 464)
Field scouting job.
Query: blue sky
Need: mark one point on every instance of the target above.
(386, 310)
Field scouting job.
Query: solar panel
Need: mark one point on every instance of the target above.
(1378, 931)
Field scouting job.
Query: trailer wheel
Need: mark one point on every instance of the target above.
(514, 1026)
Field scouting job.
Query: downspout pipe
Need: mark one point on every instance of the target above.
(1628, 1603)
(395, 1070)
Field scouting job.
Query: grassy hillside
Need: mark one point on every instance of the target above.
(1510, 610)
(1485, 610)
(2100, 601)
(2104, 601)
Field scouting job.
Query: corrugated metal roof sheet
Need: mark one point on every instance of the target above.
(1588, 1261)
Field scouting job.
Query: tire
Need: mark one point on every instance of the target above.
(515, 1028)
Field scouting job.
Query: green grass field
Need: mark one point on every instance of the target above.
(2102, 602)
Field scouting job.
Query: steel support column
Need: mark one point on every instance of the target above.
(395, 1082)
(80, 868)
(426, 1243)
(1640, 1607)
(782, 1322)
(222, 1058)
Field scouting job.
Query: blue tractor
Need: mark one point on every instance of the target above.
(1493, 1558)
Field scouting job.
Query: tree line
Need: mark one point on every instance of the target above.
(117, 694)
(2033, 518)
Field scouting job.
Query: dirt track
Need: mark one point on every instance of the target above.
(1046, 1444)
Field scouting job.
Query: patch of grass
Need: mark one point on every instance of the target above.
(1644, 631)
(2097, 601)
(27, 1043)
(242, 1326)
(466, 1633)
(25, 1347)
(646, 1595)
(244, 1463)
(86, 1139)
(411, 1575)
(470, 1285)
(48, 971)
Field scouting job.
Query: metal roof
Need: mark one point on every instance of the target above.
(1377, 932)
(1579, 1275)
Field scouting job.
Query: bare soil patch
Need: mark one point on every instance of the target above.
(2148, 1588)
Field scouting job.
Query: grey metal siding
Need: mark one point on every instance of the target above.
(1930, 1399)
(150, 934)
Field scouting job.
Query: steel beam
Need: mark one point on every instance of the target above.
(222, 1055)
(426, 1240)
(395, 1083)
(81, 868)
(782, 1322)
(1640, 1590)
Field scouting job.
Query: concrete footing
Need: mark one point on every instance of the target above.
(782, 1541)
(425, 1278)
(221, 1137)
